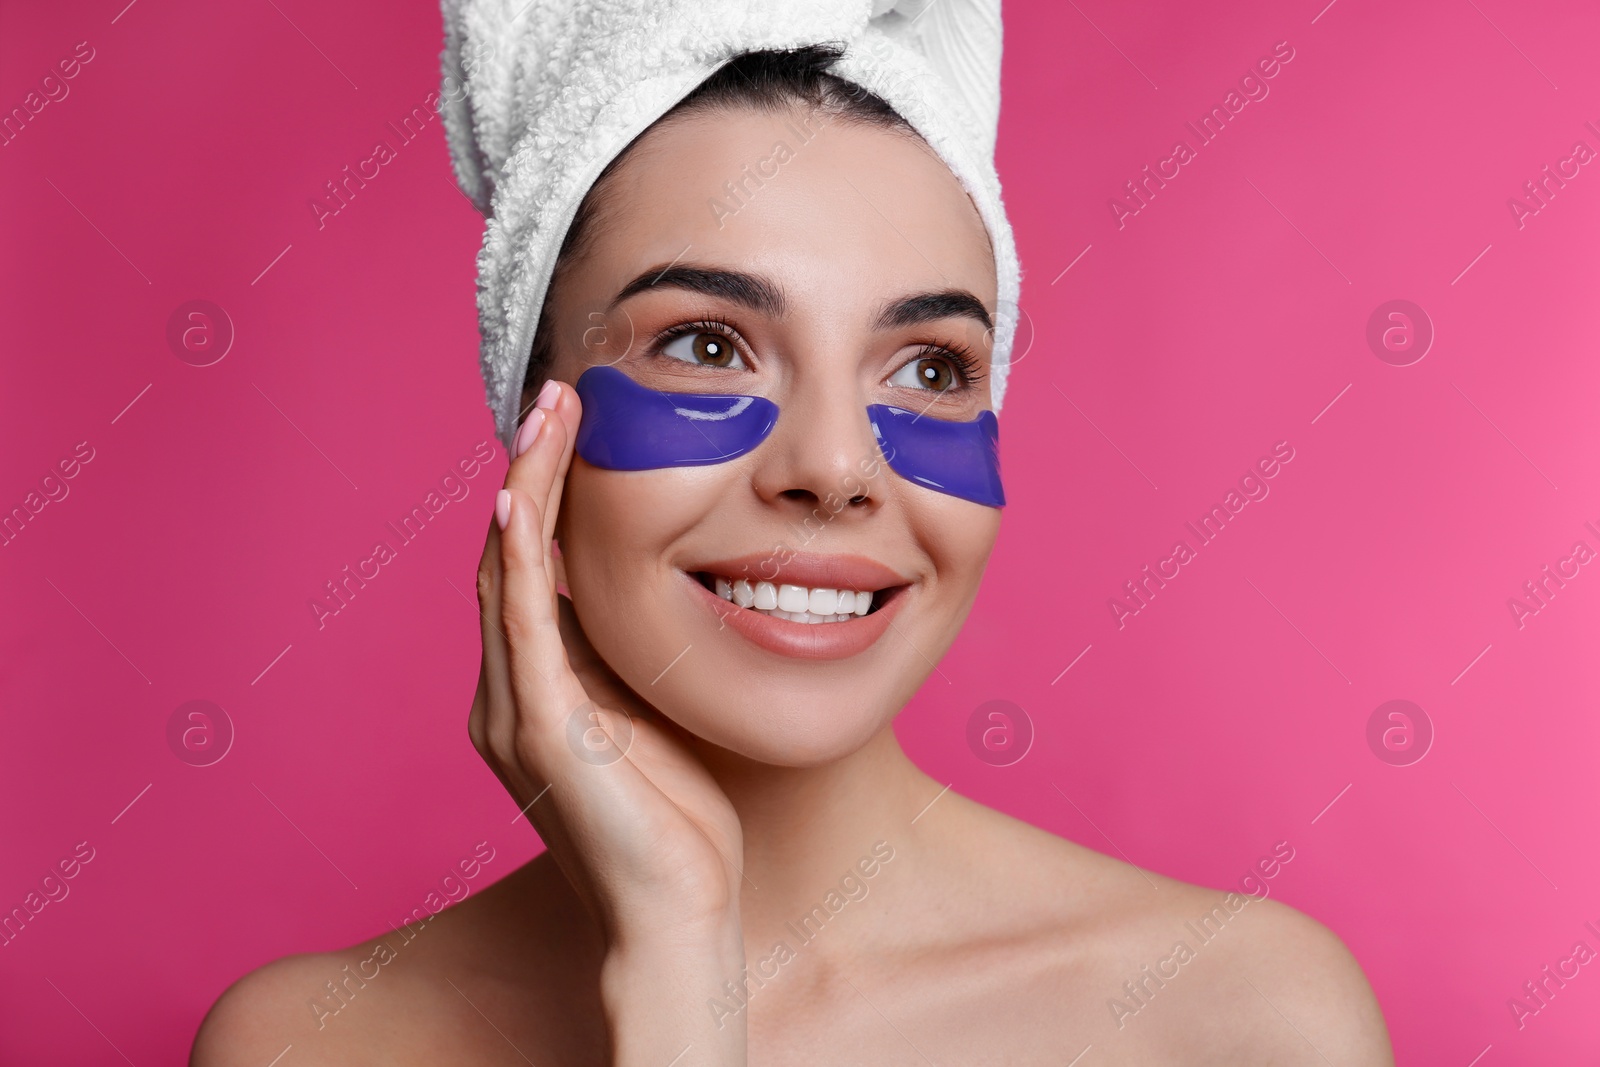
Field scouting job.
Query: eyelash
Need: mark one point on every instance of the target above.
(711, 325)
(967, 367)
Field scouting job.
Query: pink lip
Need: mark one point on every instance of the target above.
(827, 640)
(808, 569)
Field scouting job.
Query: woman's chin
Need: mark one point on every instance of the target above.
(779, 735)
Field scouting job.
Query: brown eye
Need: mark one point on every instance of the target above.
(929, 372)
(706, 349)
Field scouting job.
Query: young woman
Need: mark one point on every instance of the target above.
(742, 864)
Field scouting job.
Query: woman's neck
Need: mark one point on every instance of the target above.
(806, 829)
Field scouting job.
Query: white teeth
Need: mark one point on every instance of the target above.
(796, 603)
(806, 616)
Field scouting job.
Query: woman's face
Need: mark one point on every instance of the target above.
(773, 255)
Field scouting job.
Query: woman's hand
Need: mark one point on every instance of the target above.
(641, 830)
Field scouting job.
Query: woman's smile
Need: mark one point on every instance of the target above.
(809, 606)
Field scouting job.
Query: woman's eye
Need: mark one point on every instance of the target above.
(707, 349)
(929, 372)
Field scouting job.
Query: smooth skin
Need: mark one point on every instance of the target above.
(759, 788)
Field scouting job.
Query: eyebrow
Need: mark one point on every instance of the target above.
(751, 290)
(760, 294)
(926, 307)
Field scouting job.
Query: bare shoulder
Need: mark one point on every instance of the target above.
(1152, 969)
(1308, 978)
(478, 982)
(269, 1011)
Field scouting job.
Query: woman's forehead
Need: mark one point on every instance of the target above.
(800, 194)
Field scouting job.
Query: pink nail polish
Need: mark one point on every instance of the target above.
(530, 429)
(502, 508)
(547, 395)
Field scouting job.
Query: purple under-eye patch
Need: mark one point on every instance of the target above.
(630, 427)
(958, 458)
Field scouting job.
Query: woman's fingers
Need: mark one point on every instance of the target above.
(559, 737)
(495, 705)
(565, 411)
(544, 689)
(517, 606)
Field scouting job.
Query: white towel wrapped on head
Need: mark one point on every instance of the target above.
(542, 94)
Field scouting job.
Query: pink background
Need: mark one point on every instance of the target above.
(1222, 318)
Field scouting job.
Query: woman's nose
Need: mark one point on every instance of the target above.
(822, 453)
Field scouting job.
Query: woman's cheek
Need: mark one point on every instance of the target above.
(620, 529)
(622, 514)
(959, 537)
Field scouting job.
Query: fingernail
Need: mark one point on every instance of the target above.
(547, 395)
(502, 508)
(530, 430)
